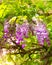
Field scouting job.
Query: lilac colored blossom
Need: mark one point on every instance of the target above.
(24, 29)
(21, 32)
(17, 42)
(6, 29)
(19, 35)
(48, 40)
(6, 26)
(5, 35)
(23, 45)
(42, 34)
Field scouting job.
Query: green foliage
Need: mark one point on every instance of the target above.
(1, 31)
(28, 8)
(49, 26)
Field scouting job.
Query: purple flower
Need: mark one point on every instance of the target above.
(24, 29)
(23, 45)
(41, 33)
(5, 35)
(6, 30)
(21, 31)
(48, 41)
(17, 42)
(6, 26)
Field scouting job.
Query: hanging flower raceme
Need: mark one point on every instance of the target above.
(24, 29)
(7, 34)
(19, 35)
(21, 32)
(41, 33)
(6, 29)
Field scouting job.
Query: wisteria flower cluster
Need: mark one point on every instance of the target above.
(22, 31)
(6, 29)
(41, 32)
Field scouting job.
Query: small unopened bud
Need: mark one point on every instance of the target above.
(23, 45)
